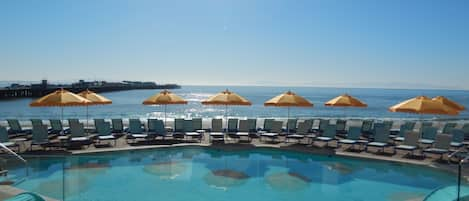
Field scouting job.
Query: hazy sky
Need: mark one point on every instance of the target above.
(352, 43)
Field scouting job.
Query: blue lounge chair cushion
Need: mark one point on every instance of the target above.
(378, 144)
(426, 141)
(79, 138)
(295, 136)
(139, 135)
(406, 147)
(106, 137)
(216, 134)
(269, 134)
(436, 150)
(456, 144)
(242, 133)
(324, 138)
(192, 134)
(347, 141)
(399, 138)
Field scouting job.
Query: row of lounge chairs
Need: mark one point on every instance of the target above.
(369, 134)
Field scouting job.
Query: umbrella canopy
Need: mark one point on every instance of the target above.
(165, 97)
(288, 99)
(449, 103)
(226, 98)
(423, 105)
(60, 98)
(95, 98)
(345, 100)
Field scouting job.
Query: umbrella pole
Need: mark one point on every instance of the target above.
(86, 117)
(165, 115)
(288, 117)
(226, 117)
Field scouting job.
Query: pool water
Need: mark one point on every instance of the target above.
(202, 174)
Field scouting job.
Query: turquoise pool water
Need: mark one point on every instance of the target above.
(202, 174)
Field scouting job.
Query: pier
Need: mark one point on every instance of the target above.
(38, 90)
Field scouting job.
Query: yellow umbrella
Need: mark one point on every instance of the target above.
(226, 98)
(165, 98)
(288, 99)
(423, 105)
(345, 100)
(60, 98)
(449, 103)
(95, 99)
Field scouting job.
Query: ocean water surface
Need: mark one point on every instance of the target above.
(128, 104)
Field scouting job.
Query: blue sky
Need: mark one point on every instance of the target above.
(338, 43)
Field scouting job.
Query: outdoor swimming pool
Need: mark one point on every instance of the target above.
(196, 174)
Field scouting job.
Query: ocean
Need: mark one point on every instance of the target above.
(128, 104)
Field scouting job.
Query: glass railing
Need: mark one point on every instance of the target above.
(195, 173)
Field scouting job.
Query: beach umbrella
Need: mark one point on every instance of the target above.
(60, 98)
(345, 100)
(95, 99)
(165, 98)
(423, 105)
(288, 99)
(226, 98)
(449, 103)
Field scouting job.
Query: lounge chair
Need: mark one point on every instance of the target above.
(6, 141)
(291, 125)
(465, 129)
(70, 122)
(448, 127)
(56, 127)
(160, 130)
(117, 126)
(189, 131)
(323, 123)
(388, 126)
(441, 146)
(274, 132)
(352, 138)
(178, 130)
(268, 123)
(367, 127)
(197, 125)
(410, 143)
(340, 126)
(37, 122)
(78, 136)
(16, 129)
(401, 135)
(39, 137)
(104, 133)
(408, 125)
(252, 126)
(232, 129)
(135, 130)
(380, 138)
(428, 135)
(457, 139)
(301, 132)
(329, 134)
(309, 123)
(424, 125)
(243, 130)
(96, 122)
(216, 132)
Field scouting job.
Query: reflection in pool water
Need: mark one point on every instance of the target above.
(198, 174)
